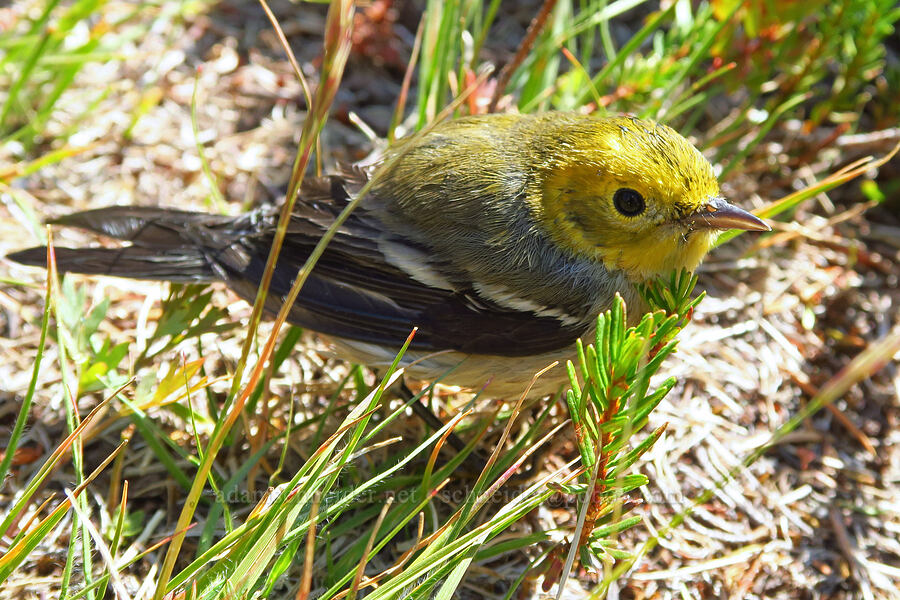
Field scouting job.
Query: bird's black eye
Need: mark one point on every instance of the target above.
(628, 202)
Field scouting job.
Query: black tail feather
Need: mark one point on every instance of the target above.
(145, 226)
(178, 265)
(164, 244)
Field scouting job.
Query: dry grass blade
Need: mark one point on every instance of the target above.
(515, 413)
(101, 547)
(534, 29)
(282, 39)
(306, 580)
(868, 362)
(52, 462)
(361, 567)
(25, 541)
(407, 80)
(832, 181)
(336, 50)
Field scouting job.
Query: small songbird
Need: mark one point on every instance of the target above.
(501, 237)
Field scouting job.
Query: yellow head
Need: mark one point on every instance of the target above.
(630, 193)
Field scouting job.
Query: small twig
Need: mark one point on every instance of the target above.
(843, 419)
(849, 552)
(536, 26)
(407, 81)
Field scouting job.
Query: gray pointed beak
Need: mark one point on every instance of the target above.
(718, 214)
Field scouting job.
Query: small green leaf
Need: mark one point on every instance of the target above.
(606, 531)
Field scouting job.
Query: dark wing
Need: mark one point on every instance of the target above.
(355, 292)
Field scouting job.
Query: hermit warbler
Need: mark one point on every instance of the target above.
(501, 237)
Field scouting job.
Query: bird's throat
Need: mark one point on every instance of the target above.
(648, 257)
